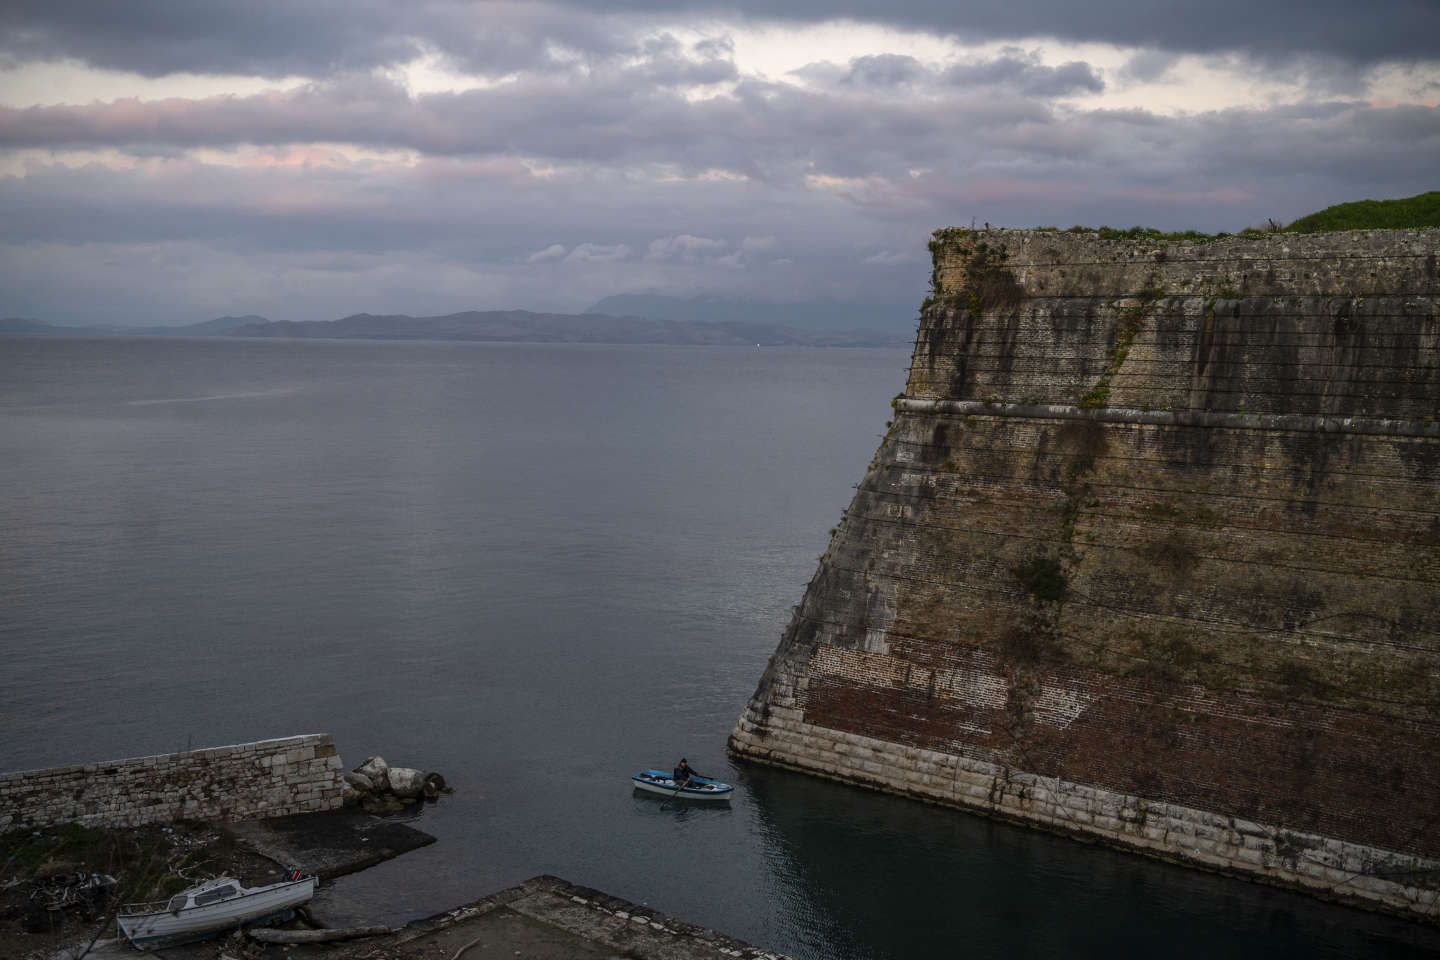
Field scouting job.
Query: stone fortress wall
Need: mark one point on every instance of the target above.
(1150, 553)
(245, 781)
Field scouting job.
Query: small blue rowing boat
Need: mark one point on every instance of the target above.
(699, 788)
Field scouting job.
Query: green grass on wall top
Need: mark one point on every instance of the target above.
(1408, 213)
(1421, 210)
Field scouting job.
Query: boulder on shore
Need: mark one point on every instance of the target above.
(406, 783)
(360, 782)
(381, 788)
(434, 786)
(382, 805)
(376, 770)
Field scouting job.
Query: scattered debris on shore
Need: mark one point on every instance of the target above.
(59, 884)
(63, 885)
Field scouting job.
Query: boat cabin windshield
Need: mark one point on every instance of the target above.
(216, 895)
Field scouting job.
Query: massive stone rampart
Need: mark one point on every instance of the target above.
(1150, 553)
(269, 778)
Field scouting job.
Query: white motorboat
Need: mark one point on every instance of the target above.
(212, 906)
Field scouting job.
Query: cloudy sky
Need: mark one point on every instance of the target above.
(176, 160)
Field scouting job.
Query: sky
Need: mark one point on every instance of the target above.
(172, 161)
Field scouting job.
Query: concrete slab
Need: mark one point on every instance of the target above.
(502, 934)
(546, 917)
(329, 844)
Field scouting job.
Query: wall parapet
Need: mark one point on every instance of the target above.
(1356, 263)
(1035, 317)
(267, 778)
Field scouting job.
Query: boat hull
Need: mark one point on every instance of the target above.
(163, 928)
(707, 791)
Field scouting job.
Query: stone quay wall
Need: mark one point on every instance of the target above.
(1150, 554)
(269, 778)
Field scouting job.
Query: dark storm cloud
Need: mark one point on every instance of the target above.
(1367, 32)
(447, 234)
(624, 115)
(282, 37)
(883, 70)
(1026, 73)
(603, 158)
(665, 62)
(877, 116)
(896, 159)
(843, 217)
(275, 38)
(1148, 66)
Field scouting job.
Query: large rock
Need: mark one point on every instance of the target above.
(406, 783)
(381, 805)
(376, 770)
(360, 782)
(434, 786)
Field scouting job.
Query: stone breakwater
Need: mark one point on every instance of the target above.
(1150, 554)
(270, 778)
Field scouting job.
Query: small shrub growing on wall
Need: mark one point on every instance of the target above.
(1043, 578)
(989, 284)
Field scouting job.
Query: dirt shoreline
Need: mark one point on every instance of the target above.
(543, 918)
(48, 900)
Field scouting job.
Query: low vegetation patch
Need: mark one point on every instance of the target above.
(988, 284)
(1044, 579)
(1408, 213)
(1138, 233)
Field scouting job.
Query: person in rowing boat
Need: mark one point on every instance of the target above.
(682, 774)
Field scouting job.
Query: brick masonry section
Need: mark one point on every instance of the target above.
(1150, 554)
(270, 778)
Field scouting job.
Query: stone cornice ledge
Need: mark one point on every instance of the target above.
(1185, 418)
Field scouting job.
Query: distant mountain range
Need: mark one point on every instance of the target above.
(523, 326)
(813, 315)
(515, 326)
(219, 327)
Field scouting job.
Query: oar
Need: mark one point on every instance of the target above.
(694, 775)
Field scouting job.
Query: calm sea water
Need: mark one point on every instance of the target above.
(535, 569)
